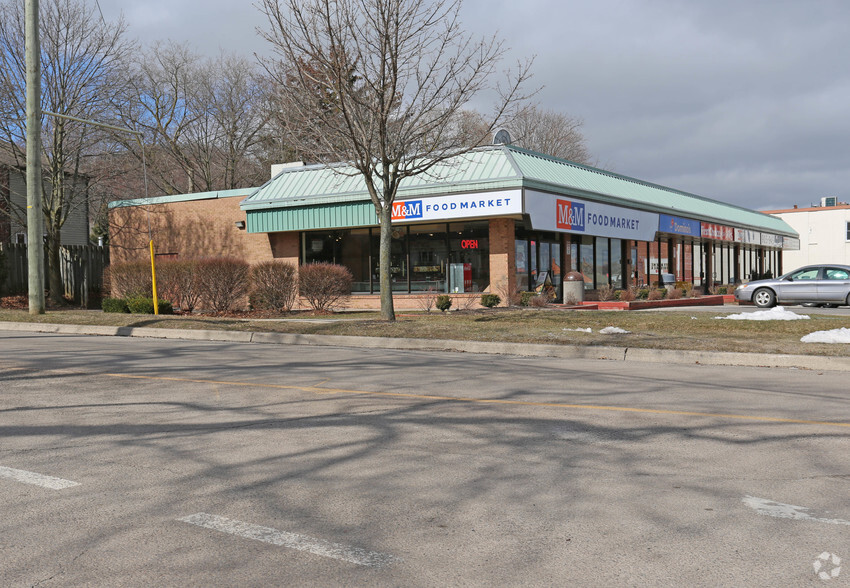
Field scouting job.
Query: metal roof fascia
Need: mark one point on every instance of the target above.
(607, 199)
(212, 195)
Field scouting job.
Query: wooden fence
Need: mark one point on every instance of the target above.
(81, 268)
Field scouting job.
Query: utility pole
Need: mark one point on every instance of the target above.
(35, 221)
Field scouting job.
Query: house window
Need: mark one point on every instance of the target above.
(21, 238)
(848, 230)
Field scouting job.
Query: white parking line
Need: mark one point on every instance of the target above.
(36, 479)
(321, 547)
(766, 507)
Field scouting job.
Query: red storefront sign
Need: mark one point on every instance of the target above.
(717, 232)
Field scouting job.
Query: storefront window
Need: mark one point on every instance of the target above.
(586, 261)
(469, 244)
(532, 263)
(422, 257)
(602, 266)
(556, 271)
(429, 254)
(617, 263)
(348, 248)
(521, 265)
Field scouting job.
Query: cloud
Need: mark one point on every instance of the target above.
(745, 102)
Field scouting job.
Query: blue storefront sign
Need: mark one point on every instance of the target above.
(678, 226)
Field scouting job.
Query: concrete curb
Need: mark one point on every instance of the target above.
(813, 362)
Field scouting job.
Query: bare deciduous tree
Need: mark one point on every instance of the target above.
(380, 84)
(81, 61)
(551, 133)
(201, 118)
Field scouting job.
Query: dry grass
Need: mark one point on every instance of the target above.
(660, 330)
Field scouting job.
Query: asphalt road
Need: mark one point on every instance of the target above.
(132, 462)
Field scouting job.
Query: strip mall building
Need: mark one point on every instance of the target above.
(497, 219)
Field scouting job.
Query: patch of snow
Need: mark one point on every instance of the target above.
(613, 331)
(588, 330)
(777, 313)
(841, 335)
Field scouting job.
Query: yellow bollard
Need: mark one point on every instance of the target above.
(153, 281)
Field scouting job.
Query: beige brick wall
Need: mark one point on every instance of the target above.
(193, 229)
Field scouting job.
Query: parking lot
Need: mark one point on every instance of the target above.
(129, 462)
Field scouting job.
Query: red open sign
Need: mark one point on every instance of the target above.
(469, 244)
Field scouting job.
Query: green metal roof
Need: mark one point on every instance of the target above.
(483, 169)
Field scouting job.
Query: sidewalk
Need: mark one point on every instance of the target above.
(811, 362)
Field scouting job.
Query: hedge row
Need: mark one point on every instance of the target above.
(219, 284)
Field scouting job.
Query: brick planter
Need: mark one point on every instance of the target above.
(642, 304)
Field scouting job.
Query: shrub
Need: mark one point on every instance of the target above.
(511, 297)
(114, 305)
(656, 294)
(144, 305)
(606, 292)
(130, 279)
(643, 293)
(628, 294)
(274, 286)
(324, 285)
(540, 300)
(223, 281)
(490, 300)
(444, 302)
(179, 282)
(525, 298)
(427, 298)
(721, 290)
(675, 294)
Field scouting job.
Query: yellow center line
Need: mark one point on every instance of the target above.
(317, 390)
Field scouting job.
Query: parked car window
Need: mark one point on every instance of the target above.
(833, 273)
(810, 273)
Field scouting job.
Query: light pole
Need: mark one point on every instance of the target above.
(35, 222)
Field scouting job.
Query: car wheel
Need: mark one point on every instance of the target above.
(847, 302)
(764, 298)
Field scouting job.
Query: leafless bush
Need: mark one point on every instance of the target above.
(606, 292)
(675, 294)
(324, 285)
(223, 281)
(508, 296)
(465, 302)
(274, 286)
(427, 299)
(178, 282)
(540, 300)
(628, 294)
(130, 279)
(656, 294)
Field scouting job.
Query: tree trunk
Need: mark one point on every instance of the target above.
(387, 309)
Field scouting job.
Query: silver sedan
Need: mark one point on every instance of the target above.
(815, 284)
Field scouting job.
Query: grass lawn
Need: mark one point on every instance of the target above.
(660, 330)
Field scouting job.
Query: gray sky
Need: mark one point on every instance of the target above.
(744, 101)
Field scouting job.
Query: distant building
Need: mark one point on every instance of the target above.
(824, 233)
(13, 207)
